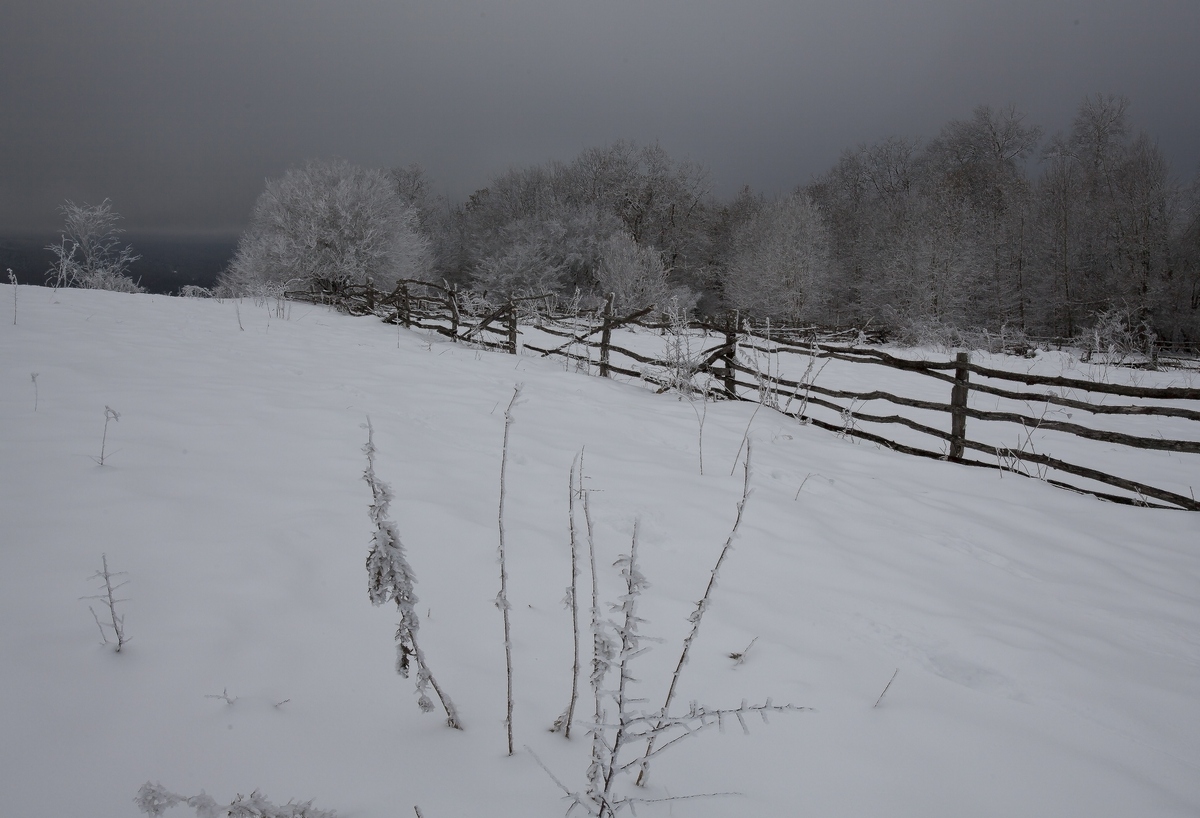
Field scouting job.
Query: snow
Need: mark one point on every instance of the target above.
(1047, 643)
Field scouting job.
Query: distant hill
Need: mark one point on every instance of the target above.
(167, 263)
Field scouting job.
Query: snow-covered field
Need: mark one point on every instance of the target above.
(1047, 644)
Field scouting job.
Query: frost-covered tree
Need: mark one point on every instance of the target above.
(1108, 212)
(529, 262)
(542, 226)
(780, 263)
(634, 274)
(89, 252)
(977, 165)
(329, 225)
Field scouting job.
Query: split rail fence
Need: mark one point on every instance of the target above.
(730, 367)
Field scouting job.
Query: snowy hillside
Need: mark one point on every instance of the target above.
(1045, 646)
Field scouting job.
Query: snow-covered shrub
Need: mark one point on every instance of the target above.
(927, 331)
(1117, 334)
(682, 363)
(155, 799)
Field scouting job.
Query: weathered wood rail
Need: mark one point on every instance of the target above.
(724, 372)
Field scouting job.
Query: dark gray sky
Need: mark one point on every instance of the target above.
(178, 110)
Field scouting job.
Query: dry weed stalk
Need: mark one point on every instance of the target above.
(502, 597)
(615, 732)
(698, 614)
(109, 414)
(563, 722)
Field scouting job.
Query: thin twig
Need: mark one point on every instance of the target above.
(885, 689)
(223, 696)
(109, 414)
(745, 441)
(502, 598)
(599, 667)
(698, 614)
(573, 596)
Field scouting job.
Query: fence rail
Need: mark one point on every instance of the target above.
(724, 368)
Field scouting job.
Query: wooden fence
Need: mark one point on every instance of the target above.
(724, 369)
(957, 375)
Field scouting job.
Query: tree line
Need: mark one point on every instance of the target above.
(987, 225)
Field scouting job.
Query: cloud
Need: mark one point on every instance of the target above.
(178, 111)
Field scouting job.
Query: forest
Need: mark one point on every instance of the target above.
(989, 226)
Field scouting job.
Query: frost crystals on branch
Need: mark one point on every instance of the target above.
(390, 577)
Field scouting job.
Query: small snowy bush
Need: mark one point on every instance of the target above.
(155, 799)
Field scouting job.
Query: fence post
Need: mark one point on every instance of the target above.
(606, 334)
(730, 354)
(958, 402)
(452, 299)
(512, 327)
(404, 301)
(370, 296)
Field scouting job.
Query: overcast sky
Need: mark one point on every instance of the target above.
(178, 110)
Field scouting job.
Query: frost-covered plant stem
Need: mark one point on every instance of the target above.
(601, 657)
(745, 441)
(635, 582)
(564, 721)
(33, 376)
(502, 597)
(617, 643)
(701, 416)
(681, 364)
(110, 601)
(390, 577)
(698, 615)
(109, 414)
